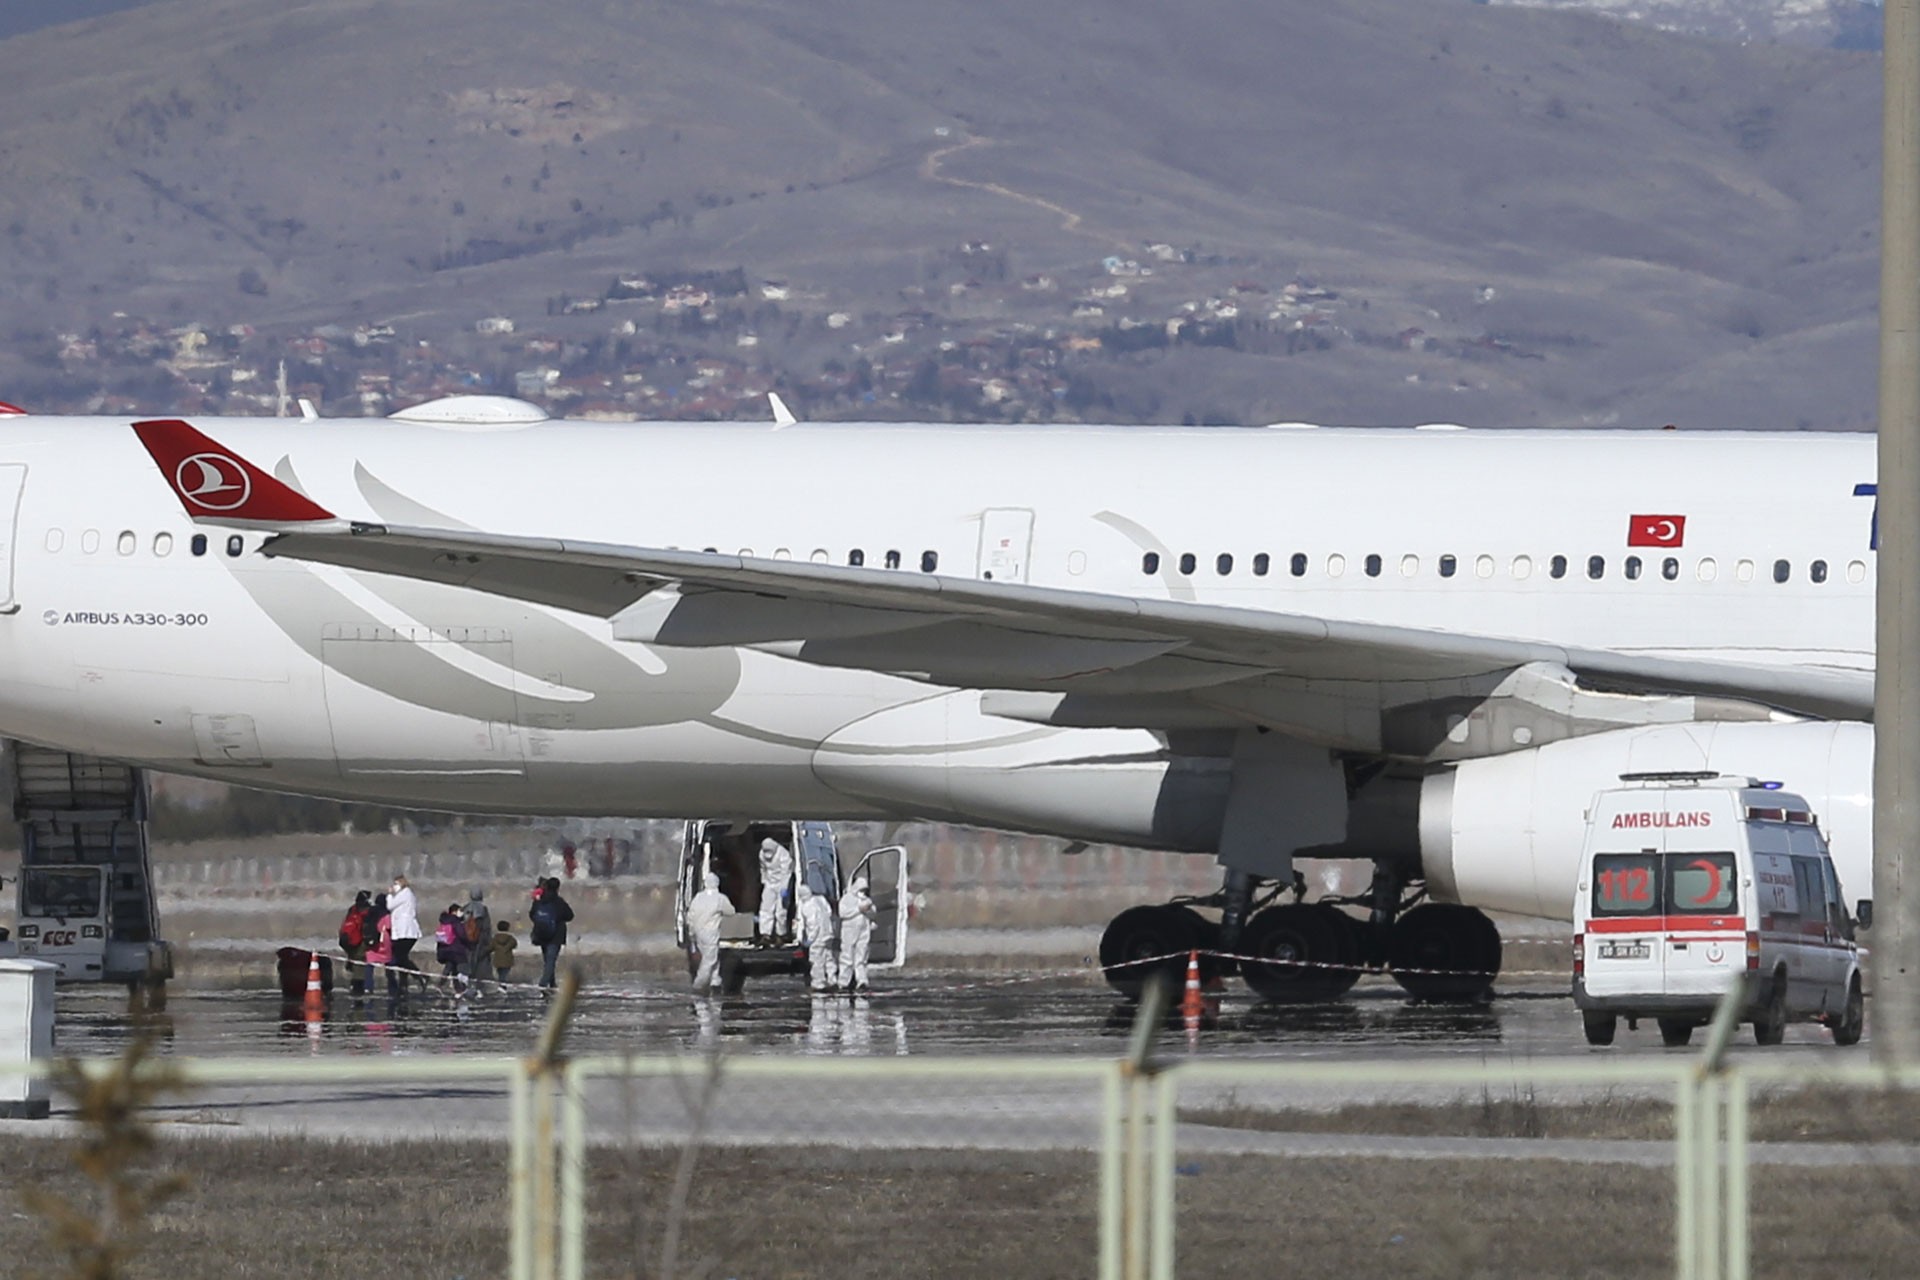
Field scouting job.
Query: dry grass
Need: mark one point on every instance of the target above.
(286, 1210)
(1823, 1115)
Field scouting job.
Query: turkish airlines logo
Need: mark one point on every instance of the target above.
(1656, 531)
(213, 482)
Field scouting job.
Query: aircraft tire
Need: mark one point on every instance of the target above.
(1138, 934)
(1298, 938)
(1445, 953)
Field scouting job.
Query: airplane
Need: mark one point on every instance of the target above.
(1424, 647)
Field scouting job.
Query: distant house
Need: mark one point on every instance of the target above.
(775, 290)
(493, 325)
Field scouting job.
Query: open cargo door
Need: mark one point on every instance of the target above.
(886, 873)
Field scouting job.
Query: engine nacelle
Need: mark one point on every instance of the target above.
(1505, 833)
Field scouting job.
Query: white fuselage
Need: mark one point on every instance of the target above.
(276, 673)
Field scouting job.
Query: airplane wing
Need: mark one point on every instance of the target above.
(1049, 654)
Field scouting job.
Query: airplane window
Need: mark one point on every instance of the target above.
(1706, 570)
(1670, 568)
(1409, 566)
(1632, 568)
(893, 559)
(1483, 566)
(1261, 563)
(856, 557)
(163, 544)
(1557, 567)
(712, 551)
(1447, 565)
(1373, 566)
(746, 551)
(1596, 566)
(1223, 564)
(235, 545)
(1187, 562)
(1744, 571)
(1782, 571)
(1856, 571)
(55, 539)
(90, 541)
(1523, 567)
(1336, 565)
(782, 553)
(1150, 563)
(199, 544)
(929, 561)
(819, 555)
(1076, 562)
(1817, 571)
(1298, 565)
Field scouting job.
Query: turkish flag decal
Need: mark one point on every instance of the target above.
(1656, 531)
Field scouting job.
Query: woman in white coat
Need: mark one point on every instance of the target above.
(405, 912)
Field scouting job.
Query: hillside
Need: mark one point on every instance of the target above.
(1521, 216)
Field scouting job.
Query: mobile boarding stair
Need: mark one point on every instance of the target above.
(78, 811)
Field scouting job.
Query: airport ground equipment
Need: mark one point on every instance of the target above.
(26, 1036)
(86, 895)
(730, 848)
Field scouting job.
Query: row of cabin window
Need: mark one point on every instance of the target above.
(128, 542)
(1632, 567)
(929, 560)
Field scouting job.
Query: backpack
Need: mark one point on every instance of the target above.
(544, 924)
(471, 927)
(353, 928)
(444, 934)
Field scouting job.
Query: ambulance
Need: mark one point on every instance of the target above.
(730, 849)
(1689, 880)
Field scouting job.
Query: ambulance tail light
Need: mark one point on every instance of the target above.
(1753, 951)
(1579, 956)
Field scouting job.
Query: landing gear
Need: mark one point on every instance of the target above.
(1445, 952)
(1314, 949)
(1296, 952)
(1144, 941)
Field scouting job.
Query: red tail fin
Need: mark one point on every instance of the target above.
(217, 485)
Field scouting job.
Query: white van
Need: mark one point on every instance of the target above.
(730, 848)
(1690, 879)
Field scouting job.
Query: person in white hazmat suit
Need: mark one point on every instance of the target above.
(705, 914)
(856, 934)
(816, 934)
(776, 870)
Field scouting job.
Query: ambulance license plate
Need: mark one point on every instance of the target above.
(1625, 951)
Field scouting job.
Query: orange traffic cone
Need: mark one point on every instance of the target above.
(1193, 1005)
(316, 997)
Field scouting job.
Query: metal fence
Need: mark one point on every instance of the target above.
(1153, 1163)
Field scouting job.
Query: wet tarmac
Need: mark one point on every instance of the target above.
(910, 1014)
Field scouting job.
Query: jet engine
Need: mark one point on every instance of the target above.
(1505, 833)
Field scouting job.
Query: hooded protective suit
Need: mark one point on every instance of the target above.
(776, 872)
(479, 937)
(816, 933)
(705, 914)
(856, 934)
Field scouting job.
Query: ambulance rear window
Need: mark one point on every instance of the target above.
(1626, 884)
(1700, 882)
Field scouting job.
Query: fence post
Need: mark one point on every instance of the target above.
(520, 1170)
(573, 1174)
(1112, 1179)
(1166, 1118)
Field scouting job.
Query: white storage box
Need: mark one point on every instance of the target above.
(26, 1034)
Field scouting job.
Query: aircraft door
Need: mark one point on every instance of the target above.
(886, 873)
(1006, 539)
(13, 479)
(429, 702)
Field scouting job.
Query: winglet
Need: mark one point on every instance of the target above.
(782, 416)
(11, 410)
(218, 486)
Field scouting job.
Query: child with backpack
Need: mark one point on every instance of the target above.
(451, 948)
(356, 935)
